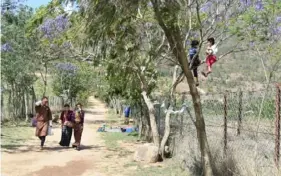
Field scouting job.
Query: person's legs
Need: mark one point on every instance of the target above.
(63, 136)
(75, 136)
(78, 136)
(195, 74)
(68, 134)
(209, 61)
(77, 129)
(42, 140)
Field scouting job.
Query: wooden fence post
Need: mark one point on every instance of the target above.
(277, 126)
(225, 126)
(240, 112)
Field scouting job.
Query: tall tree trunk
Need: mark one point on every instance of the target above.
(44, 78)
(9, 104)
(33, 100)
(141, 122)
(147, 131)
(3, 114)
(26, 106)
(151, 109)
(173, 35)
(166, 133)
(200, 123)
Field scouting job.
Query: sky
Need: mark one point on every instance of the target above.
(36, 3)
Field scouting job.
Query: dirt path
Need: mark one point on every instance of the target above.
(58, 161)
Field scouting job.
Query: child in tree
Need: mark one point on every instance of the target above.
(211, 56)
(194, 60)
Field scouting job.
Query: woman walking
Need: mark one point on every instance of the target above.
(66, 125)
(78, 120)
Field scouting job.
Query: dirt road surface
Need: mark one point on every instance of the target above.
(55, 160)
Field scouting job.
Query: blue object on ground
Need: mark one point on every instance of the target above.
(101, 129)
(129, 130)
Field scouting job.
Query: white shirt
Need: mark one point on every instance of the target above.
(213, 50)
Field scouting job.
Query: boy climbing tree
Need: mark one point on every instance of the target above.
(194, 60)
(211, 56)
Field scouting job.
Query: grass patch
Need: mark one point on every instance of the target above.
(14, 136)
(111, 139)
(169, 168)
(111, 115)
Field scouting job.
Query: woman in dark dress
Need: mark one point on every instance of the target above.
(66, 125)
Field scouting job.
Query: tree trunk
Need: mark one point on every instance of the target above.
(45, 79)
(33, 100)
(200, 123)
(173, 35)
(141, 122)
(9, 104)
(3, 114)
(26, 106)
(151, 110)
(166, 133)
(147, 130)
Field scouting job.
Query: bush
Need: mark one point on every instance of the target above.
(222, 166)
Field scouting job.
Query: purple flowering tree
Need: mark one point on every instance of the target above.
(11, 6)
(49, 38)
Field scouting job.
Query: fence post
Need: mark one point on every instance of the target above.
(277, 126)
(240, 112)
(225, 126)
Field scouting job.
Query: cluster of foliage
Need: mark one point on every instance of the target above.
(17, 69)
(32, 42)
(73, 80)
(260, 25)
(129, 40)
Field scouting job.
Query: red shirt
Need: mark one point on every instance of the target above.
(66, 116)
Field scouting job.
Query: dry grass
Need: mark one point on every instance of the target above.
(248, 154)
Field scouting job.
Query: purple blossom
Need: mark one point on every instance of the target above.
(252, 44)
(66, 67)
(277, 31)
(205, 7)
(6, 47)
(52, 28)
(246, 2)
(11, 5)
(278, 19)
(259, 5)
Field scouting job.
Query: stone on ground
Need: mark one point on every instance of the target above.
(147, 153)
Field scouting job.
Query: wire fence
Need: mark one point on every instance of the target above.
(243, 124)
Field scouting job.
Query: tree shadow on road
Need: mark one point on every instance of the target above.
(14, 149)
